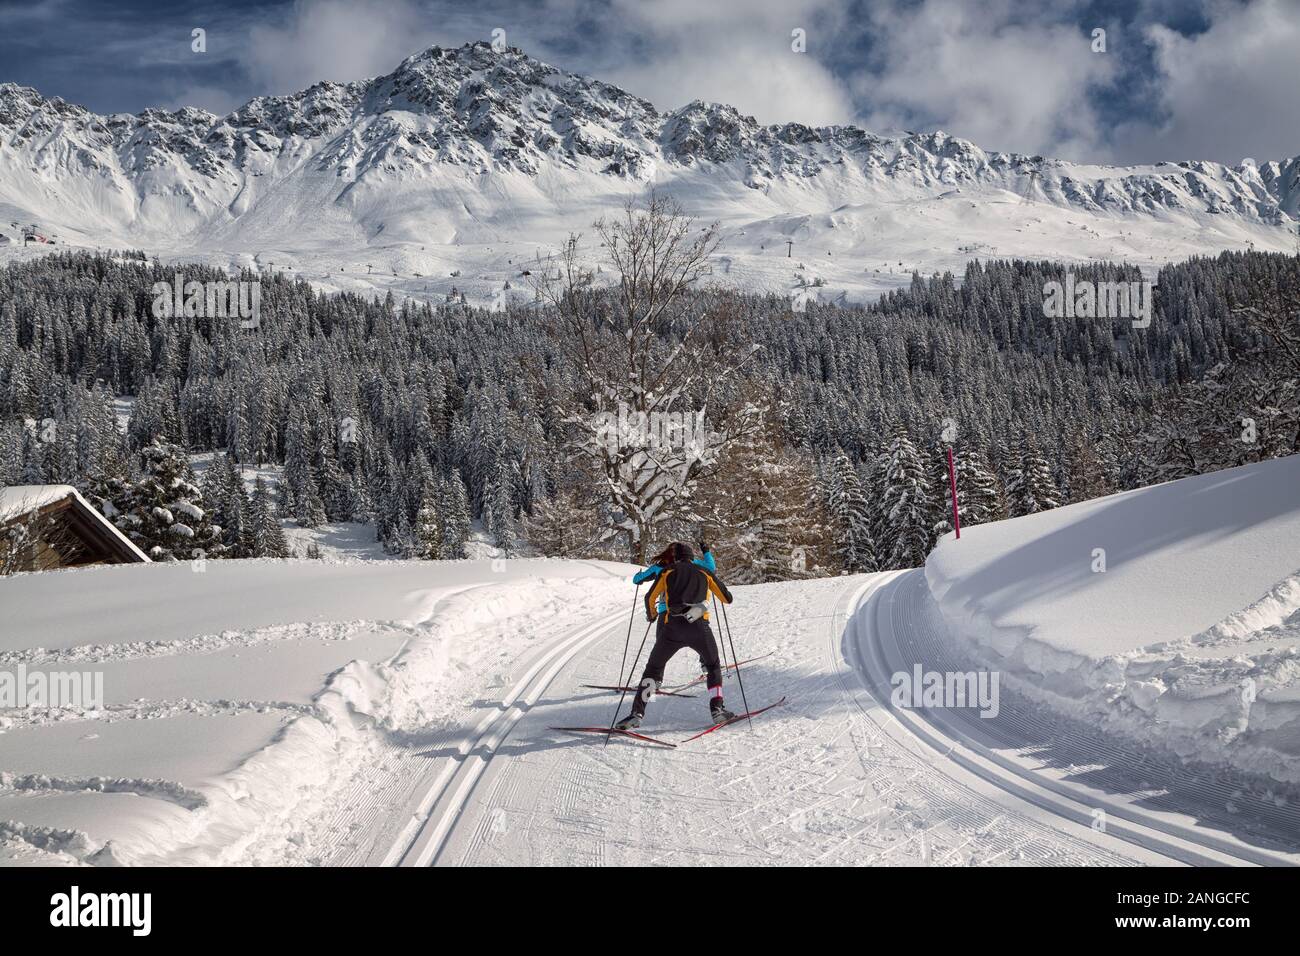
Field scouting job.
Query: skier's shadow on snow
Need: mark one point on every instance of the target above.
(508, 749)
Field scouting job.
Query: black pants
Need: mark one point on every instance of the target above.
(672, 636)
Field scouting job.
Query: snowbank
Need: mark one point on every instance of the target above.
(245, 705)
(1170, 614)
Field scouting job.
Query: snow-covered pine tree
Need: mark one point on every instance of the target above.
(162, 512)
(267, 538)
(1085, 470)
(32, 471)
(1168, 403)
(223, 491)
(979, 495)
(1009, 459)
(154, 413)
(762, 510)
(298, 480)
(550, 528)
(402, 541)
(239, 443)
(336, 492)
(427, 533)
(794, 529)
(101, 448)
(1031, 488)
(871, 472)
(906, 503)
(456, 517)
(934, 456)
(392, 512)
(311, 509)
(499, 509)
(850, 514)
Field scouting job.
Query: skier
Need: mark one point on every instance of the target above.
(678, 599)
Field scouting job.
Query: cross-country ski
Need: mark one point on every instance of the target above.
(734, 719)
(726, 667)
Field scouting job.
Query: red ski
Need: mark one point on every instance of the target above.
(621, 733)
(691, 683)
(727, 723)
(633, 690)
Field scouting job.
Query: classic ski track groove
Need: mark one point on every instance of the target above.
(452, 790)
(879, 612)
(936, 769)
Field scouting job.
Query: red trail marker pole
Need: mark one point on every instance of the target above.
(952, 483)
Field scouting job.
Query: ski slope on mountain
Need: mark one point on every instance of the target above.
(456, 170)
(1168, 616)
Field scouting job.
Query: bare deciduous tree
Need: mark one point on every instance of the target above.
(651, 362)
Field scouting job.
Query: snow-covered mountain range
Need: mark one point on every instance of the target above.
(472, 160)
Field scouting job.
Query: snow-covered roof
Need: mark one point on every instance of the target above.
(17, 500)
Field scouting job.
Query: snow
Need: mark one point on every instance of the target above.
(340, 542)
(20, 499)
(820, 780)
(873, 247)
(1187, 640)
(241, 699)
(299, 712)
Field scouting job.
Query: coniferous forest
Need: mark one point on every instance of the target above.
(422, 420)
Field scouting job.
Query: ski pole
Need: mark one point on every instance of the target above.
(628, 640)
(739, 679)
(721, 644)
(621, 696)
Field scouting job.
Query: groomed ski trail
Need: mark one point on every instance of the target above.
(819, 780)
(446, 798)
(1198, 816)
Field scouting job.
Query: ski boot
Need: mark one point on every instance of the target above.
(719, 711)
(630, 722)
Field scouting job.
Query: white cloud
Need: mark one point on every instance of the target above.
(987, 73)
(737, 52)
(338, 40)
(1225, 94)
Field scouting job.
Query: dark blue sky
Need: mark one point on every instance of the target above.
(1179, 79)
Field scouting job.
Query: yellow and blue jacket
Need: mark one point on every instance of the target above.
(679, 587)
(653, 572)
